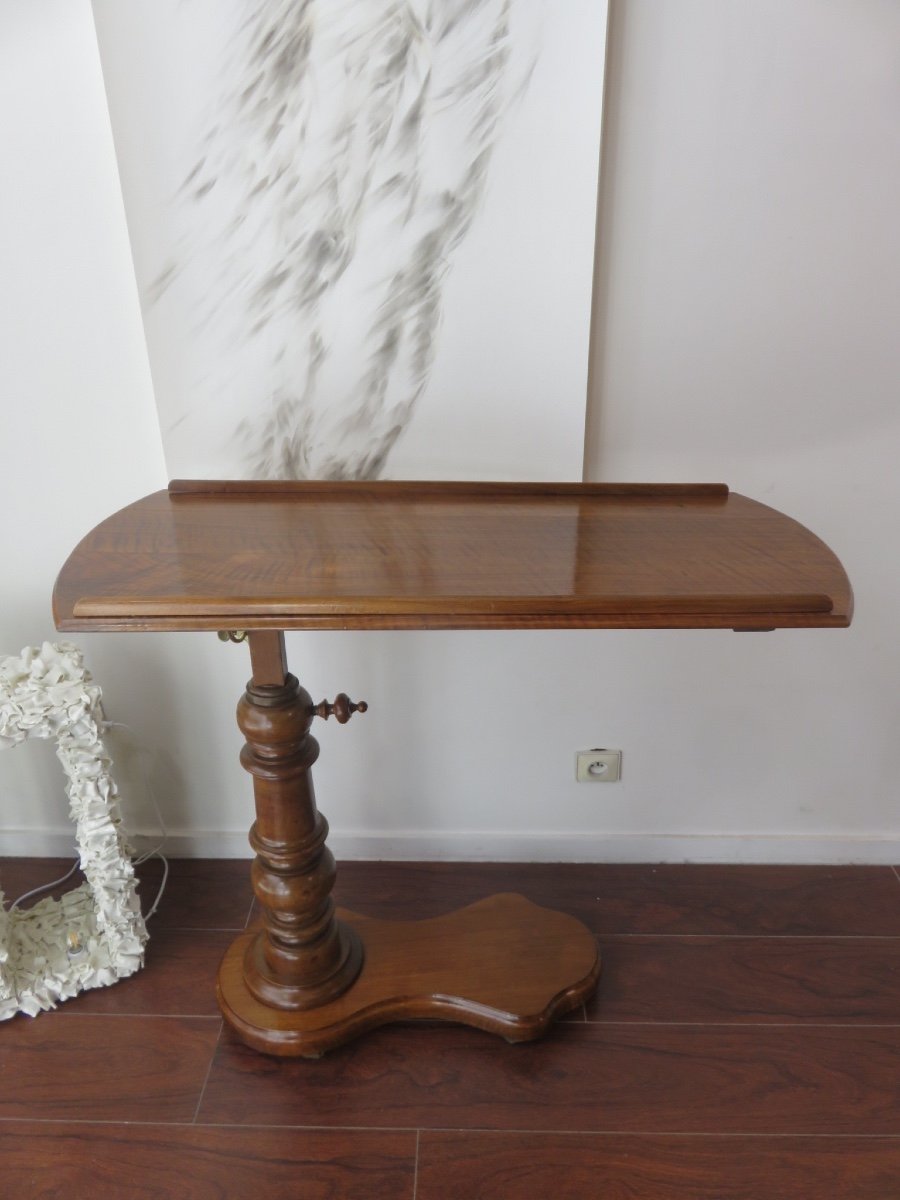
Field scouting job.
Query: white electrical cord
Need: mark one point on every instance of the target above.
(45, 887)
(162, 886)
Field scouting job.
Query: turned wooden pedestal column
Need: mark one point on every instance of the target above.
(301, 957)
(306, 979)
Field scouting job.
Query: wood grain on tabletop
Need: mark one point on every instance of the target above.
(391, 555)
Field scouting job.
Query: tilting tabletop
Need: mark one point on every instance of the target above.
(205, 554)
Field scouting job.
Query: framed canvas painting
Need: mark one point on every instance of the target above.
(363, 230)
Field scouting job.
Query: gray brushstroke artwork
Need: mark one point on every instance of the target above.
(344, 163)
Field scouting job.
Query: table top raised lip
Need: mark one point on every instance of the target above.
(111, 582)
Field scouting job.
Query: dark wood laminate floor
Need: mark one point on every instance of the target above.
(744, 1045)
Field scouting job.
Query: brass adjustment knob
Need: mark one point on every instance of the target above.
(343, 708)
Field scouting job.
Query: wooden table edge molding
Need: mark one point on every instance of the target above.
(252, 559)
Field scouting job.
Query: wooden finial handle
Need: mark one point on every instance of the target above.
(343, 708)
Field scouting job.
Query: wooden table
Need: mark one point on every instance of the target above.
(262, 558)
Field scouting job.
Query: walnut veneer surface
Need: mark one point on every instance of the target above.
(205, 555)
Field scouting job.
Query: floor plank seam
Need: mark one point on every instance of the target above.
(186, 1124)
(191, 1124)
(415, 1190)
(799, 1024)
(753, 937)
(500, 1131)
(165, 930)
(145, 1016)
(647, 1133)
(212, 1059)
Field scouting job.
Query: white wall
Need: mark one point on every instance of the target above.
(745, 331)
(80, 436)
(747, 317)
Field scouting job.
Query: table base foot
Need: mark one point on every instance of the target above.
(503, 965)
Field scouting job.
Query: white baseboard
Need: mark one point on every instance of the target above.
(493, 846)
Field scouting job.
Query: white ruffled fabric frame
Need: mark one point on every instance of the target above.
(95, 933)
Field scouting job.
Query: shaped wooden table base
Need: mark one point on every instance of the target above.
(263, 558)
(307, 979)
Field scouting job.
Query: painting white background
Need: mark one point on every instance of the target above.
(507, 393)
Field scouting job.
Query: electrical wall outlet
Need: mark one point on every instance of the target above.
(598, 766)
